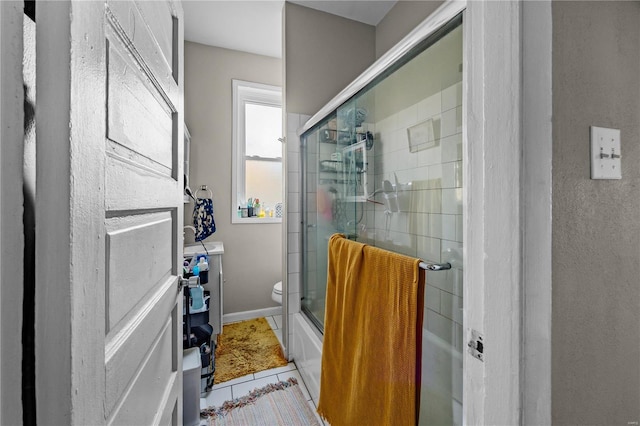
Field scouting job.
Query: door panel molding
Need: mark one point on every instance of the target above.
(11, 207)
(102, 203)
(127, 22)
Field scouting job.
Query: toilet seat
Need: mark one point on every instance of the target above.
(277, 289)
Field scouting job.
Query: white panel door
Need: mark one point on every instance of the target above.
(109, 212)
(11, 205)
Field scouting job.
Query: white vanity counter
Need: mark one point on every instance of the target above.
(213, 247)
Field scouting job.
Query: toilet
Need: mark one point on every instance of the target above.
(276, 294)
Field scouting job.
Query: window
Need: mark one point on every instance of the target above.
(257, 152)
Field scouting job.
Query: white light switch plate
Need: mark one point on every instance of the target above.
(605, 153)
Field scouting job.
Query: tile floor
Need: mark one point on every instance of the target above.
(241, 386)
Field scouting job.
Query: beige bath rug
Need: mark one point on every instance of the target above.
(279, 403)
(247, 347)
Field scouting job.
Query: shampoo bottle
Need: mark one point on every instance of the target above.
(203, 267)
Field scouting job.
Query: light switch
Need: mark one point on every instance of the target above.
(605, 153)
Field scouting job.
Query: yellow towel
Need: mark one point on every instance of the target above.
(372, 336)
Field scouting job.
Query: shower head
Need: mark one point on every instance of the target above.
(387, 187)
(390, 196)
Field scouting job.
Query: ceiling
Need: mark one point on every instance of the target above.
(256, 26)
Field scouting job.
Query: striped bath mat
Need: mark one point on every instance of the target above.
(280, 403)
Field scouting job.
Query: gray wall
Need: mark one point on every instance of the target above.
(401, 19)
(253, 252)
(596, 223)
(323, 54)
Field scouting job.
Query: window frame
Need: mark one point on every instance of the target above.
(244, 92)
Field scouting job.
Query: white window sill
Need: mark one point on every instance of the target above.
(249, 220)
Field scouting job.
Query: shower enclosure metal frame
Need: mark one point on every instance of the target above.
(507, 201)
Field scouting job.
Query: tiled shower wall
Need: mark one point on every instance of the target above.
(430, 227)
(294, 271)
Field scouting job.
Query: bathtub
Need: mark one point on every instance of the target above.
(441, 394)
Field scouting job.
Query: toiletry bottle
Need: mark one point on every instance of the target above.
(203, 268)
(239, 212)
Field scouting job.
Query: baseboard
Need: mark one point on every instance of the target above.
(247, 315)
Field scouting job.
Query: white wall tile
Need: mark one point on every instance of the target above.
(457, 281)
(405, 158)
(293, 242)
(326, 149)
(451, 148)
(441, 326)
(293, 182)
(435, 196)
(448, 126)
(430, 156)
(449, 174)
(312, 204)
(293, 283)
(427, 201)
(401, 141)
(435, 176)
(444, 280)
(293, 222)
(460, 347)
(451, 307)
(435, 225)
(400, 242)
(407, 117)
(311, 185)
(311, 217)
(459, 228)
(293, 263)
(420, 224)
(293, 202)
(452, 201)
(459, 93)
(293, 162)
(449, 98)
(312, 163)
(417, 174)
(429, 107)
(309, 145)
(432, 298)
(399, 222)
(312, 263)
(451, 252)
(292, 143)
(293, 122)
(429, 249)
(448, 227)
(294, 301)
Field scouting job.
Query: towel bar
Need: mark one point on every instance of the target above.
(435, 266)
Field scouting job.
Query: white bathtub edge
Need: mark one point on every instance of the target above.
(307, 354)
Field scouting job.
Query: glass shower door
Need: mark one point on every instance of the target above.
(325, 211)
(386, 169)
